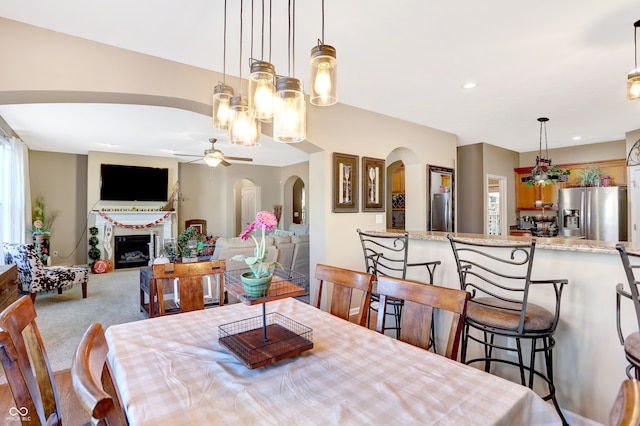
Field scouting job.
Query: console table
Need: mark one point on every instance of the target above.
(155, 282)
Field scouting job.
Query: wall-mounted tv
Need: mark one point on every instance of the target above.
(133, 183)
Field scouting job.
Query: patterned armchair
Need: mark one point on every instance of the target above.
(34, 277)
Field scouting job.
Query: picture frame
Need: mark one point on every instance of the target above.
(373, 186)
(345, 183)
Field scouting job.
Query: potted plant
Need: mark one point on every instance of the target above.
(42, 222)
(188, 243)
(590, 176)
(543, 175)
(257, 281)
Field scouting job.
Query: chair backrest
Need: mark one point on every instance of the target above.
(190, 282)
(385, 255)
(93, 379)
(26, 365)
(344, 282)
(417, 313)
(501, 271)
(626, 408)
(28, 262)
(631, 264)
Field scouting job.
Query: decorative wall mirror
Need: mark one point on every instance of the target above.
(441, 211)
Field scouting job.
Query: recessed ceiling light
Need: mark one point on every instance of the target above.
(577, 138)
(469, 85)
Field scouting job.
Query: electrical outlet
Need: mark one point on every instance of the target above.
(55, 253)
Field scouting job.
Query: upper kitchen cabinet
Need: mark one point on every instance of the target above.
(526, 196)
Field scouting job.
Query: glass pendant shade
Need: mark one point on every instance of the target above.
(244, 129)
(324, 76)
(633, 85)
(221, 103)
(290, 115)
(261, 90)
(212, 158)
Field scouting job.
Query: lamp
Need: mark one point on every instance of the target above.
(261, 80)
(244, 128)
(633, 78)
(324, 72)
(222, 93)
(544, 172)
(290, 115)
(212, 157)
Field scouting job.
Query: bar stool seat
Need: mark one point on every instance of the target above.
(632, 349)
(492, 312)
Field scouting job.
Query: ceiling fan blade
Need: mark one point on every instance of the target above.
(237, 158)
(187, 155)
(224, 163)
(193, 161)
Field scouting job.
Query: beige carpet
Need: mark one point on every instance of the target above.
(112, 298)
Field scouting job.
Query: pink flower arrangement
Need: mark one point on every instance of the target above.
(266, 221)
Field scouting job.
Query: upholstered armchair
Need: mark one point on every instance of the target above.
(34, 277)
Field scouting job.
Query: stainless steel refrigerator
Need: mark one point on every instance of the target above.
(441, 212)
(594, 213)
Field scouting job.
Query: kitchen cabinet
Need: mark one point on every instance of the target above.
(397, 199)
(527, 195)
(398, 181)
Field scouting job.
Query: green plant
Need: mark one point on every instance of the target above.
(547, 175)
(42, 222)
(589, 175)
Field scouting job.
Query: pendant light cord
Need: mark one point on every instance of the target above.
(251, 52)
(240, 61)
(635, 44)
(224, 48)
(322, 21)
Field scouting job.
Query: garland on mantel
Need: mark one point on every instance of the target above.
(122, 225)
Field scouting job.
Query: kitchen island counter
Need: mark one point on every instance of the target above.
(589, 362)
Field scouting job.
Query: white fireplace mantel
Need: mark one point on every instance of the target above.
(111, 223)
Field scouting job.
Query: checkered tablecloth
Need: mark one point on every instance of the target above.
(172, 371)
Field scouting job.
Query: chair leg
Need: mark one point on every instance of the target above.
(532, 361)
(465, 338)
(548, 356)
(84, 290)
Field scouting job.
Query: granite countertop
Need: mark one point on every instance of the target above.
(555, 243)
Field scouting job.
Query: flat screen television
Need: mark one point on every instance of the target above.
(133, 183)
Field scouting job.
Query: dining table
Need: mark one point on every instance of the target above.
(172, 371)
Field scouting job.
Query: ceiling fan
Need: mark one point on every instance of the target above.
(214, 156)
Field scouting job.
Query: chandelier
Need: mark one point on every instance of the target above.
(633, 78)
(544, 172)
(271, 97)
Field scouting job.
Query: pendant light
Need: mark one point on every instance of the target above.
(222, 93)
(261, 80)
(324, 72)
(244, 128)
(633, 78)
(544, 172)
(290, 115)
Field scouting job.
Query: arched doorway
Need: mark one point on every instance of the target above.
(247, 202)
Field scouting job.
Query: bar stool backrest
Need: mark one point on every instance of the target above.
(385, 255)
(631, 264)
(500, 271)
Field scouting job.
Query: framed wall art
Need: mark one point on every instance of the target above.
(345, 187)
(372, 184)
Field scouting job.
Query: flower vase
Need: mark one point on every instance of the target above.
(255, 287)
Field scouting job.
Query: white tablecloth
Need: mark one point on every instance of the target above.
(172, 371)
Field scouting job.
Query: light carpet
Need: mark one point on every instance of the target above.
(62, 319)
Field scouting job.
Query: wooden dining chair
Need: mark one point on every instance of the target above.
(626, 407)
(93, 379)
(420, 300)
(27, 367)
(344, 282)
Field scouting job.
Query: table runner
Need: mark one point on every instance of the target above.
(172, 371)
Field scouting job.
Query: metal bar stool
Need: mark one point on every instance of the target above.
(386, 255)
(499, 278)
(631, 343)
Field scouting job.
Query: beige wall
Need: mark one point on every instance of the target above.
(579, 154)
(469, 189)
(62, 180)
(501, 162)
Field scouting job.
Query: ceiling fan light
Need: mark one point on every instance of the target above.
(212, 160)
(244, 128)
(261, 90)
(633, 85)
(324, 75)
(290, 114)
(221, 97)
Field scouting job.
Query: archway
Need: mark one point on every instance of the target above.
(295, 206)
(246, 203)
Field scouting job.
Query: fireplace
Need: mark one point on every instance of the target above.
(131, 251)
